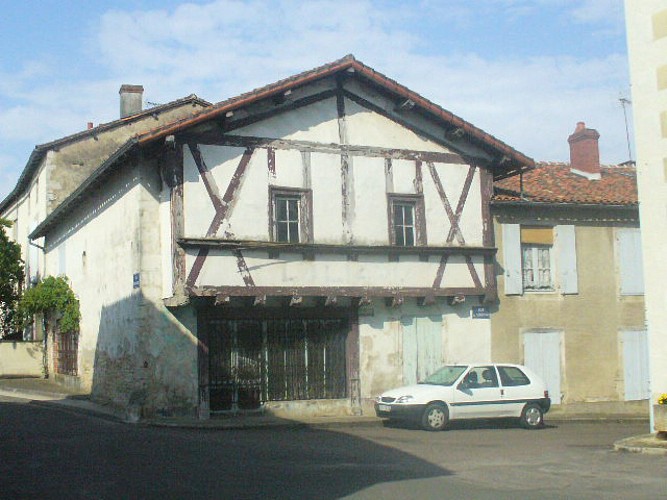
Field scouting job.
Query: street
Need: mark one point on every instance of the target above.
(51, 452)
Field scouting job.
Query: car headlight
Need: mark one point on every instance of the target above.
(378, 399)
(405, 399)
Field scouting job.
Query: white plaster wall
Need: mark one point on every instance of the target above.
(381, 341)
(648, 55)
(316, 122)
(21, 358)
(328, 199)
(101, 241)
(372, 129)
(332, 270)
(133, 352)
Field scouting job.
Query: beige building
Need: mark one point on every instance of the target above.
(570, 281)
(647, 44)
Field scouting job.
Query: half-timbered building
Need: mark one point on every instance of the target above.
(301, 247)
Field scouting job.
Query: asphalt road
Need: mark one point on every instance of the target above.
(50, 452)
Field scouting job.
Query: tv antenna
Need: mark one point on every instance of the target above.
(626, 102)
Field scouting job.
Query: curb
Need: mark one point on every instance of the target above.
(639, 444)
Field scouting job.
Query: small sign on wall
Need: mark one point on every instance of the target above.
(480, 312)
(136, 280)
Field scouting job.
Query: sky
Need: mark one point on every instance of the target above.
(525, 71)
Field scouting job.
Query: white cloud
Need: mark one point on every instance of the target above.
(222, 48)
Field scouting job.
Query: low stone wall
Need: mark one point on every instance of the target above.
(21, 359)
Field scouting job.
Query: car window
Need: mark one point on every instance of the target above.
(446, 375)
(480, 377)
(511, 375)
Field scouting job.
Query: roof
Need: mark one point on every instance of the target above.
(512, 160)
(40, 150)
(554, 183)
(516, 160)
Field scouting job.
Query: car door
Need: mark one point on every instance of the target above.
(515, 390)
(478, 394)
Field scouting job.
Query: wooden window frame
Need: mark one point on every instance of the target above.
(305, 198)
(535, 248)
(417, 201)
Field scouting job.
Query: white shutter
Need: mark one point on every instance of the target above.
(630, 261)
(635, 365)
(512, 259)
(566, 259)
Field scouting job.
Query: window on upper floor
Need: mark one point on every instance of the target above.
(537, 258)
(291, 215)
(406, 225)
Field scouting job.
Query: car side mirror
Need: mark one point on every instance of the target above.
(462, 385)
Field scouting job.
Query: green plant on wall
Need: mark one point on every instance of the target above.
(52, 296)
(11, 277)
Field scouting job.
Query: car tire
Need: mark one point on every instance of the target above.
(435, 417)
(532, 416)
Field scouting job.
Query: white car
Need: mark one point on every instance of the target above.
(481, 390)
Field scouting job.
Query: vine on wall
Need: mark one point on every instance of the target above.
(52, 296)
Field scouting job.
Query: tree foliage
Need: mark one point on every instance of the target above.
(52, 296)
(11, 279)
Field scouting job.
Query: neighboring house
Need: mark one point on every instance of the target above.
(301, 247)
(647, 49)
(571, 283)
(54, 170)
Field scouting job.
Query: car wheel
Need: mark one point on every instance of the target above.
(532, 416)
(435, 417)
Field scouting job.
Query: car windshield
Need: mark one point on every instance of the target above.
(446, 375)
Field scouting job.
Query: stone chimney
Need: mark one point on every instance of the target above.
(131, 99)
(584, 152)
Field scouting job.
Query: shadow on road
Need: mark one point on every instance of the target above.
(48, 452)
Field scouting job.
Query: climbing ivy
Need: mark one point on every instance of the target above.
(52, 296)
(11, 277)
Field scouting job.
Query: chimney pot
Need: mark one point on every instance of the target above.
(585, 152)
(131, 99)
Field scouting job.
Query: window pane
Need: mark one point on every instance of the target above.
(293, 232)
(408, 215)
(281, 209)
(281, 231)
(398, 215)
(409, 237)
(398, 232)
(287, 218)
(293, 212)
(404, 223)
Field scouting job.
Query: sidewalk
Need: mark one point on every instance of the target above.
(46, 391)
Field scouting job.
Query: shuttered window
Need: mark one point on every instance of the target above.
(536, 258)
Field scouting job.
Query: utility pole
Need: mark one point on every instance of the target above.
(626, 102)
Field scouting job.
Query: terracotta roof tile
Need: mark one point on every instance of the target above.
(554, 183)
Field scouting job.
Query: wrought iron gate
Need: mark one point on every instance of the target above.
(253, 361)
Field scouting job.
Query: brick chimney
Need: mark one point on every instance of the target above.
(131, 99)
(584, 152)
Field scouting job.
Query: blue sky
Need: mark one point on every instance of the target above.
(523, 70)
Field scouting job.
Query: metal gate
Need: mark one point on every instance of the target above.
(253, 361)
(65, 352)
